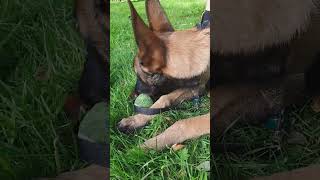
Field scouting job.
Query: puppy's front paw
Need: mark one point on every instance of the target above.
(129, 124)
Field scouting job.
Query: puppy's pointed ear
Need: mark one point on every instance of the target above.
(151, 52)
(158, 20)
(142, 33)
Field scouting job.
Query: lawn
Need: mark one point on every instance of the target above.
(41, 57)
(263, 155)
(127, 161)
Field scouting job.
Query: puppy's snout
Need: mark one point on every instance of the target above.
(142, 87)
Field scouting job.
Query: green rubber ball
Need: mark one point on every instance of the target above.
(144, 101)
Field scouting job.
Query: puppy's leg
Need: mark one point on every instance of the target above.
(175, 97)
(129, 124)
(179, 132)
(253, 103)
(139, 120)
(242, 102)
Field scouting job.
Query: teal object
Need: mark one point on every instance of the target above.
(143, 101)
(93, 126)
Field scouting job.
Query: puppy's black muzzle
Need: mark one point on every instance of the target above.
(164, 86)
(143, 88)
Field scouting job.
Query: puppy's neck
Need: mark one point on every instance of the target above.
(188, 53)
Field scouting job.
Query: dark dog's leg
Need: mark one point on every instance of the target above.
(93, 84)
(313, 83)
(139, 120)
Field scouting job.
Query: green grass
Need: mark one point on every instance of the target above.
(127, 161)
(41, 57)
(268, 157)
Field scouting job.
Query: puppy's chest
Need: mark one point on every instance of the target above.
(256, 67)
(190, 82)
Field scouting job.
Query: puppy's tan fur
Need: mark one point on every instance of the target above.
(175, 54)
(251, 25)
(182, 60)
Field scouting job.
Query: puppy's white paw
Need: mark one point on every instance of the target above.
(132, 123)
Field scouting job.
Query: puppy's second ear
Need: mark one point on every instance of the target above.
(151, 48)
(158, 20)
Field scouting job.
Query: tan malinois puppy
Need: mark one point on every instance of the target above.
(175, 66)
(266, 57)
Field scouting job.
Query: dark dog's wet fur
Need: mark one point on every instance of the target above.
(93, 22)
(93, 84)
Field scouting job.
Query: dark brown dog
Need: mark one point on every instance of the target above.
(93, 23)
(172, 65)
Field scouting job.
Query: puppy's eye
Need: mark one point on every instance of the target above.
(140, 61)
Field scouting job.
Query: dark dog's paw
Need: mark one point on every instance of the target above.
(130, 124)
